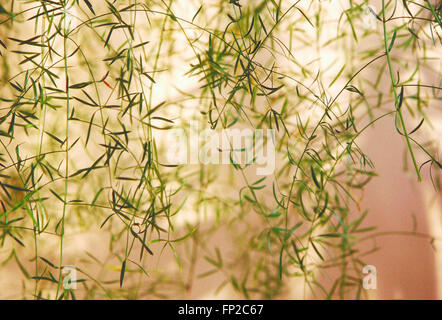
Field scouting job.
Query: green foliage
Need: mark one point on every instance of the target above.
(83, 108)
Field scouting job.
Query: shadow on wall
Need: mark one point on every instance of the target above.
(405, 263)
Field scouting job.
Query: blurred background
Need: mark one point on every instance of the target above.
(137, 67)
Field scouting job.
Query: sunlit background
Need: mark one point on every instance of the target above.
(139, 68)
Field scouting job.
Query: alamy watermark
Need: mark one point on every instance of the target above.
(69, 277)
(242, 147)
(369, 17)
(369, 282)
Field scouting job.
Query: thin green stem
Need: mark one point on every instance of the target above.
(66, 184)
(396, 96)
